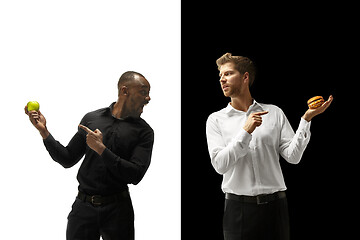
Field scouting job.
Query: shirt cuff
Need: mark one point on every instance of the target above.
(304, 125)
(109, 157)
(243, 137)
(49, 139)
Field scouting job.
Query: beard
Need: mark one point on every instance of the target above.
(232, 91)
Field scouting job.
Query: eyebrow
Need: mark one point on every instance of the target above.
(224, 72)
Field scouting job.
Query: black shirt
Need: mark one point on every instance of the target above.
(128, 142)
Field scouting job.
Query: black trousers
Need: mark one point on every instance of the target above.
(250, 221)
(112, 221)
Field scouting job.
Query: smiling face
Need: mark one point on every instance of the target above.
(232, 82)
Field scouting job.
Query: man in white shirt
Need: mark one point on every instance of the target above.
(245, 140)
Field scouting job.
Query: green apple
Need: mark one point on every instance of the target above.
(33, 105)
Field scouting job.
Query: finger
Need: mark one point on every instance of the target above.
(97, 131)
(326, 104)
(86, 129)
(261, 113)
(34, 118)
(257, 119)
(33, 114)
(331, 98)
(26, 110)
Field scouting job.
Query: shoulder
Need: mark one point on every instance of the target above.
(145, 130)
(275, 112)
(218, 114)
(144, 124)
(95, 114)
(271, 108)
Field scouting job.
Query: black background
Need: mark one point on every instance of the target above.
(300, 51)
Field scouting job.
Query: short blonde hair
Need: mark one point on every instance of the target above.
(242, 64)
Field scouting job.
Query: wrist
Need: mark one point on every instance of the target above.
(248, 130)
(44, 133)
(307, 117)
(101, 149)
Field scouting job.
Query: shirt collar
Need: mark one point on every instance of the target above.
(111, 107)
(229, 109)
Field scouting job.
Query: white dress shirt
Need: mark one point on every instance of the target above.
(250, 163)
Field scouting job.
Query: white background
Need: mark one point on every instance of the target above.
(68, 56)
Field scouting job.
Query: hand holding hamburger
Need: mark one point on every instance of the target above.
(316, 106)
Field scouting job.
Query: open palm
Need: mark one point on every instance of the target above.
(310, 113)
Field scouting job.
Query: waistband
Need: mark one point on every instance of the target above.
(98, 200)
(259, 199)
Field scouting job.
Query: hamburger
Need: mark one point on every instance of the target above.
(315, 102)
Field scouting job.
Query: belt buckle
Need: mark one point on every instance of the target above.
(261, 199)
(93, 200)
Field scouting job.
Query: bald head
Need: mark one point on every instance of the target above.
(128, 78)
(133, 94)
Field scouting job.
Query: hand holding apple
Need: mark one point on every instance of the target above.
(37, 119)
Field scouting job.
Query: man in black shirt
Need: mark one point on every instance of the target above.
(117, 144)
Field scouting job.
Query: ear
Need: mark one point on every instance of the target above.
(246, 78)
(123, 90)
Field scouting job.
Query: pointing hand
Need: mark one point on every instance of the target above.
(94, 139)
(254, 120)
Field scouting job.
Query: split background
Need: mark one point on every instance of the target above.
(68, 56)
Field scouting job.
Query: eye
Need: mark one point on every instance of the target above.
(144, 92)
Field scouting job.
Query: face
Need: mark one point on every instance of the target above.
(138, 96)
(231, 80)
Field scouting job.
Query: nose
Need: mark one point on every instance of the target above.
(222, 79)
(148, 98)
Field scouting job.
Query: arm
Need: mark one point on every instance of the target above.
(293, 145)
(66, 156)
(223, 156)
(131, 170)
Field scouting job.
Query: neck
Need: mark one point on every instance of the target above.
(242, 102)
(118, 110)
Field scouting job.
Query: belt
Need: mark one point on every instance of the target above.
(98, 200)
(259, 199)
